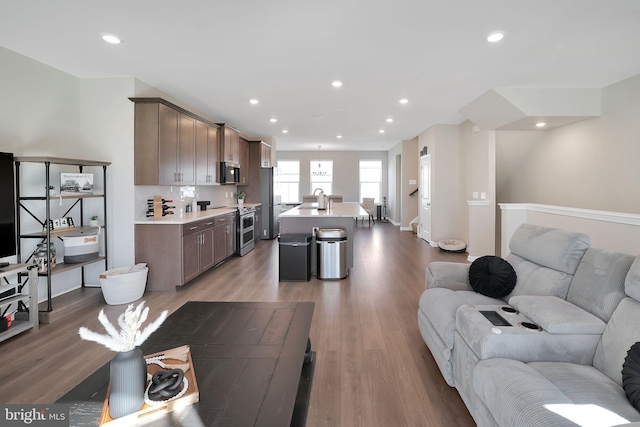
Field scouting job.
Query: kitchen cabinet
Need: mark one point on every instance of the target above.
(224, 236)
(176, 147)
(206, 154)
(197, 249)
(165, 137)
(265, 155)
(178, 253)
(229, 144)
(244, 162)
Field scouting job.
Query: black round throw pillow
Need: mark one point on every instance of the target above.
(631, 375)
(492, 276)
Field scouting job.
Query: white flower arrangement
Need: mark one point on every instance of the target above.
(129, 336)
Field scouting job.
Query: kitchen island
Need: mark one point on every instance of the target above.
(304, 218)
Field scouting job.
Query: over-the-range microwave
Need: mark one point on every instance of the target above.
(229, 173)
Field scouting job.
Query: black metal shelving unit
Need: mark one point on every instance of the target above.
(47, 234)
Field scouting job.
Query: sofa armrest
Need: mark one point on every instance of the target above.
(450, 275)
(557, 316)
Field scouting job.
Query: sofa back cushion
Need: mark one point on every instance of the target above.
(545, 259)
(554, 248)
(632, 282)
(622, 331)
(598, 285)
(535, 279)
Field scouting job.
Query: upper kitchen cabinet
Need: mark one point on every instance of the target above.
(165, 143)
(229, 144)
(265, 155)
(206, 154)
(244, 162)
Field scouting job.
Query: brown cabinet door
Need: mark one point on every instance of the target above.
(244, 162)
(207, 250)
(190, 256)
(212, 155)
(202, 153)
(219, 243)
(187, 150)
(168, 146)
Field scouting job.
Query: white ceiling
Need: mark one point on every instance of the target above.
(214, 55)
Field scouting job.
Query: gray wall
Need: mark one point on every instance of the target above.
(345, 170)
(591, 164)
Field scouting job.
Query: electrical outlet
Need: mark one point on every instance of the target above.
(314, 230)
(483, 195)
(226, 194)
(264, 232)
(475, 194)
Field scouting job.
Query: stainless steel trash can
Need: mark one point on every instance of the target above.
(332, 253)
(295, 258)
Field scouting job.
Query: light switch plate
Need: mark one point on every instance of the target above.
(475, 194)
(412, 182)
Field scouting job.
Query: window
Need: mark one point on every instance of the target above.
(288, 181)
(371, 179)
(322, 175)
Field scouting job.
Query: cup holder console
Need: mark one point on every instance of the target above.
(529, 325)
(509, 309)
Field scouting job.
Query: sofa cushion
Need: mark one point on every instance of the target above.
(631, 375)
(598, 285)
(558, 249)
(492, 276)
(620, 334)
(585, 385)
(549, 394)
(535, 279)
(632, 281)
(557, 316)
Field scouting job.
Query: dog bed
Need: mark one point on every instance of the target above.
(452, 245)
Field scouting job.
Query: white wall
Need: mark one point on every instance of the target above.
(410, 172)
(394, 203)
(45, 112)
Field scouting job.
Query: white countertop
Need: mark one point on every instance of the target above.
(310, 210)
(187, 217)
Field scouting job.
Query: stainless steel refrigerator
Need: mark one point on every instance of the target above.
(271, 207)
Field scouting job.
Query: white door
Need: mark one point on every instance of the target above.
(424, 230)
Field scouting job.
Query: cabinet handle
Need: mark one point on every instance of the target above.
(193, 228)
(202, 239)
(222, 219)
(209, 223)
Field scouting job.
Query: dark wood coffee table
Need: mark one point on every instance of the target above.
(252, 361)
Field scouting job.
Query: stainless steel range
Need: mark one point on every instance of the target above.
(246, 223)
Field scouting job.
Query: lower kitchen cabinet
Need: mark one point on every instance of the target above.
(178, 253)
(197, 249)
(224, 236)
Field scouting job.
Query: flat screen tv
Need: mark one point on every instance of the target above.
(7, 206)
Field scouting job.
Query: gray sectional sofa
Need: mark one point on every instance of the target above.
(570, 320)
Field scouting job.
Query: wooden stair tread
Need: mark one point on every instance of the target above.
(69, 303)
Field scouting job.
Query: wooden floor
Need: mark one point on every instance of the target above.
(373, 368)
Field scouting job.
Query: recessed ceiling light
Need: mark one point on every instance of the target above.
(254, 101)
(336, 83)
(316, 117)
(541, 124)
(403, 101)
(110, 38)
(381, 131)
(339, 136)
(285, 131)
(273, 120)
(495, 37)
(389, 120)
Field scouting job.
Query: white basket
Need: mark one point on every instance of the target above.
(124, 285)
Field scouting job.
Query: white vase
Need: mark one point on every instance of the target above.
(94, 223)
(240, 201)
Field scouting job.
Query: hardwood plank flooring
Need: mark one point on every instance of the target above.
(372, 369)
